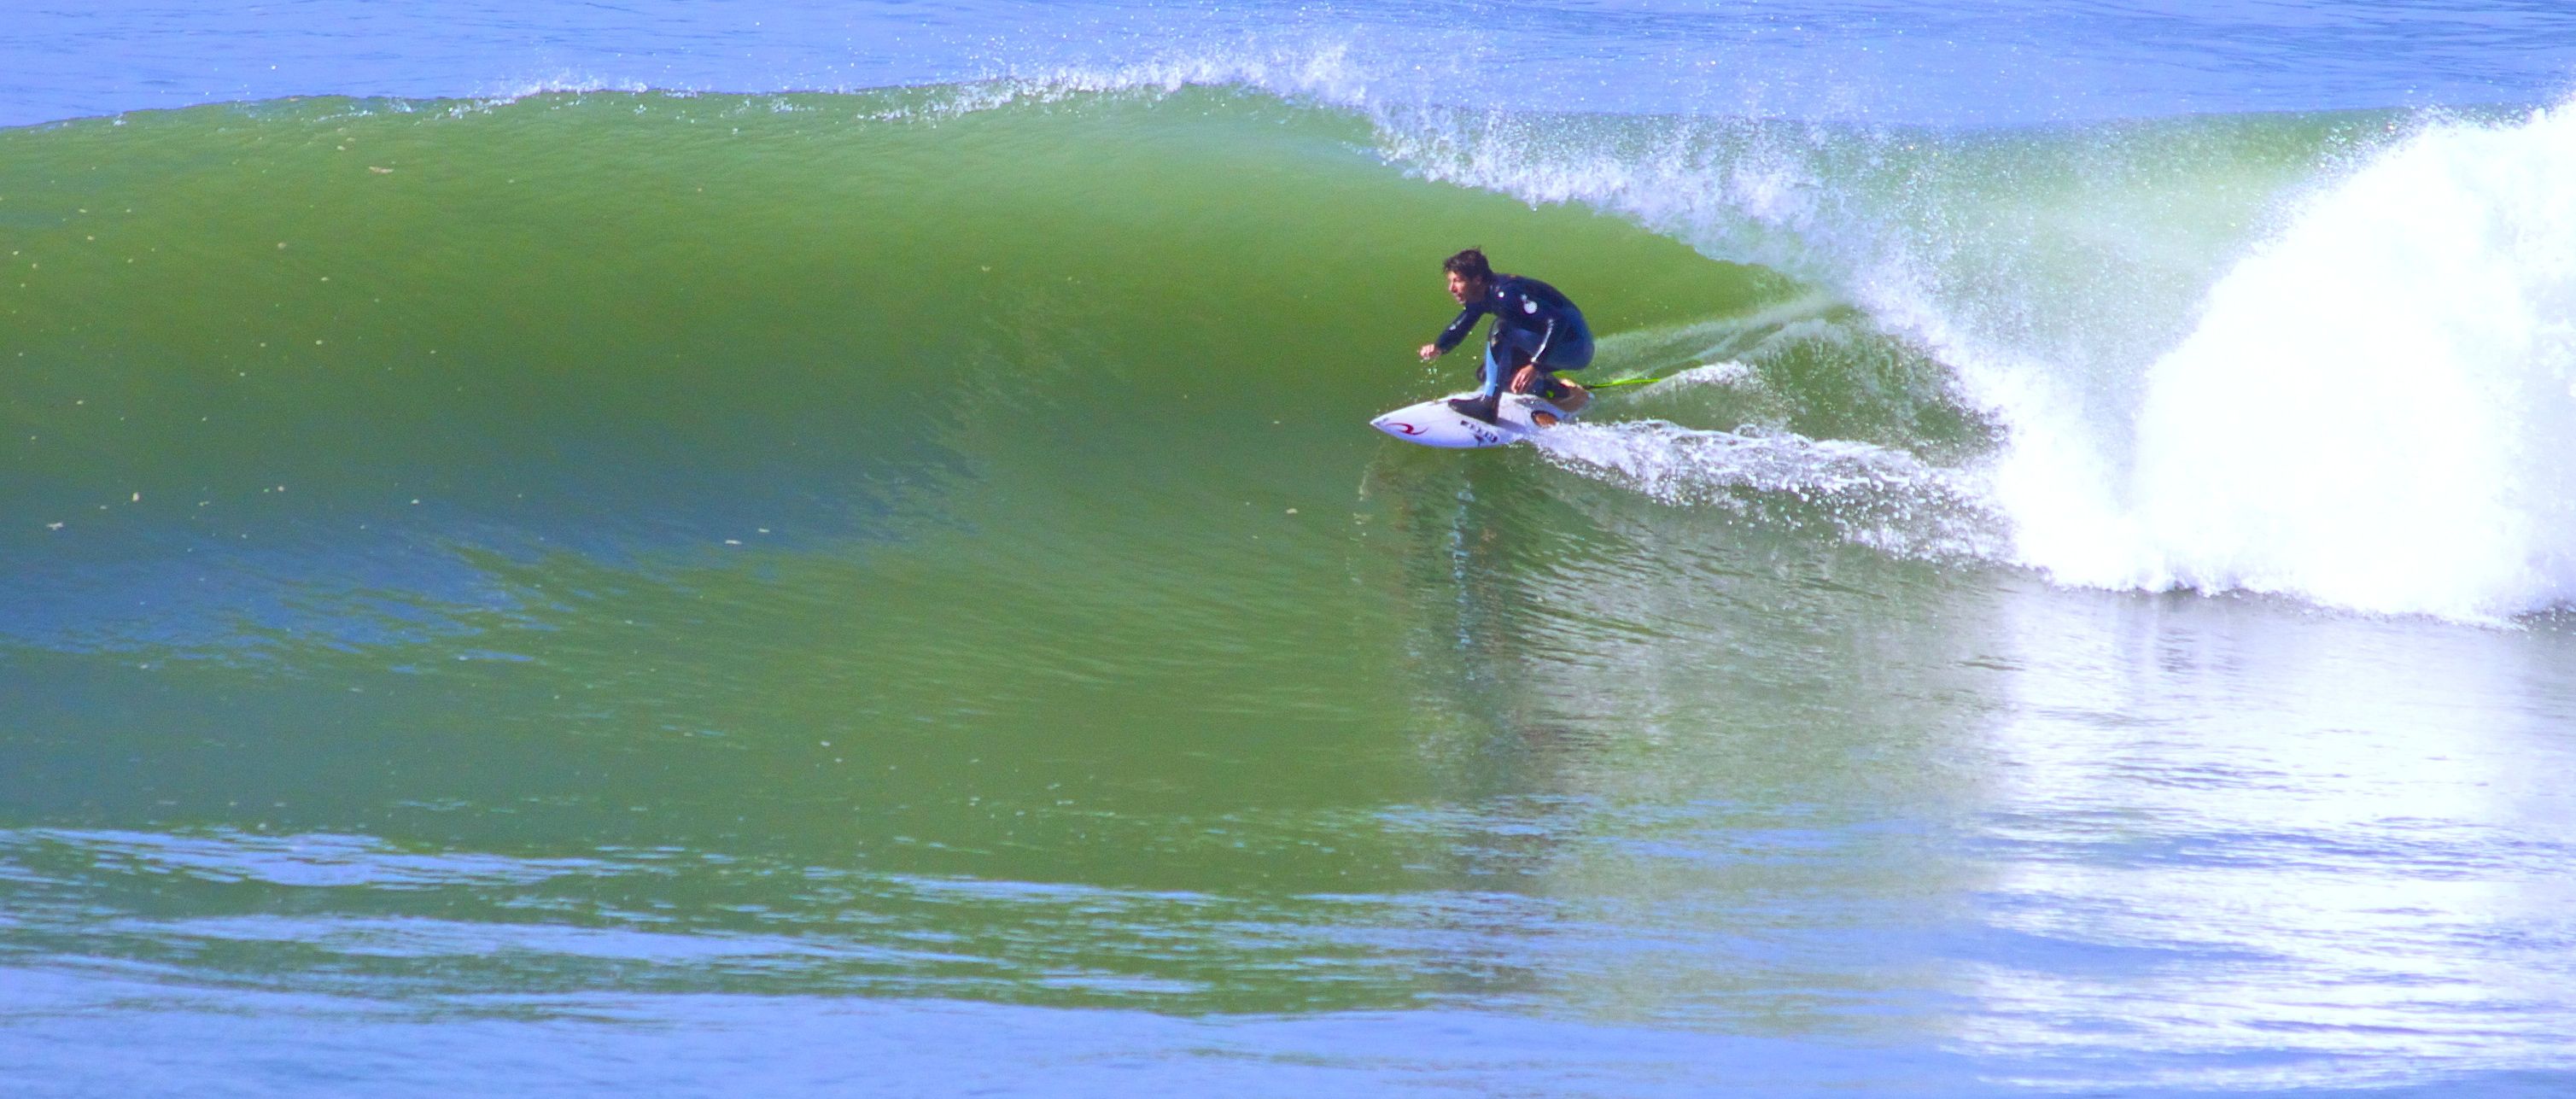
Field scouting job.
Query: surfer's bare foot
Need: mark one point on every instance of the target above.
(1576, 397)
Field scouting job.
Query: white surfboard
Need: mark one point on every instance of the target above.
(1434, 423)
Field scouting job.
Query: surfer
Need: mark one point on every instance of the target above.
(1536, 333)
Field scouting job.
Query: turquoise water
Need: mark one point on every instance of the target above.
(883, 585)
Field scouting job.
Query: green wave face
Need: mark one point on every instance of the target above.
(790, 505)
(651, 311)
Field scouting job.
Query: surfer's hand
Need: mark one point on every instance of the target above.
(1525, 379)
(1430, 351)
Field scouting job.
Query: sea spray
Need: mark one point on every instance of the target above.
(1864, 494)
(2374, 410)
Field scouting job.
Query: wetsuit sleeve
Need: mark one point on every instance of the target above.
(1545, 337)
(1458, 329)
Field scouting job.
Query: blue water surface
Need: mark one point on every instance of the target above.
(1959, 61)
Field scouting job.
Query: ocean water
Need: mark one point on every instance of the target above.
(796, 549)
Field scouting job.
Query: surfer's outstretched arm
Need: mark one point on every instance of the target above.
(1456, 333)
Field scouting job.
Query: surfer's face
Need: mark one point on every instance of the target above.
(1463, 288)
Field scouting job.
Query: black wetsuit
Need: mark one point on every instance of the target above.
(1530, 318)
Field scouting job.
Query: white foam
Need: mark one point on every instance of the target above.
(1869, 495)
(1729, 373)
(2375, 409)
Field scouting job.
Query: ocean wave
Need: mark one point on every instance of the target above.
(2110, 351)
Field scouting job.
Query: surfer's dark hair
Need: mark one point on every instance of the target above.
(1470, 265)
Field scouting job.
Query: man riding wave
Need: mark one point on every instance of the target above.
(1536, 333)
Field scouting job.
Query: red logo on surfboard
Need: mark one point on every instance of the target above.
(1408, 429)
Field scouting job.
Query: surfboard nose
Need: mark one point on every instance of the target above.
(1434, 423)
